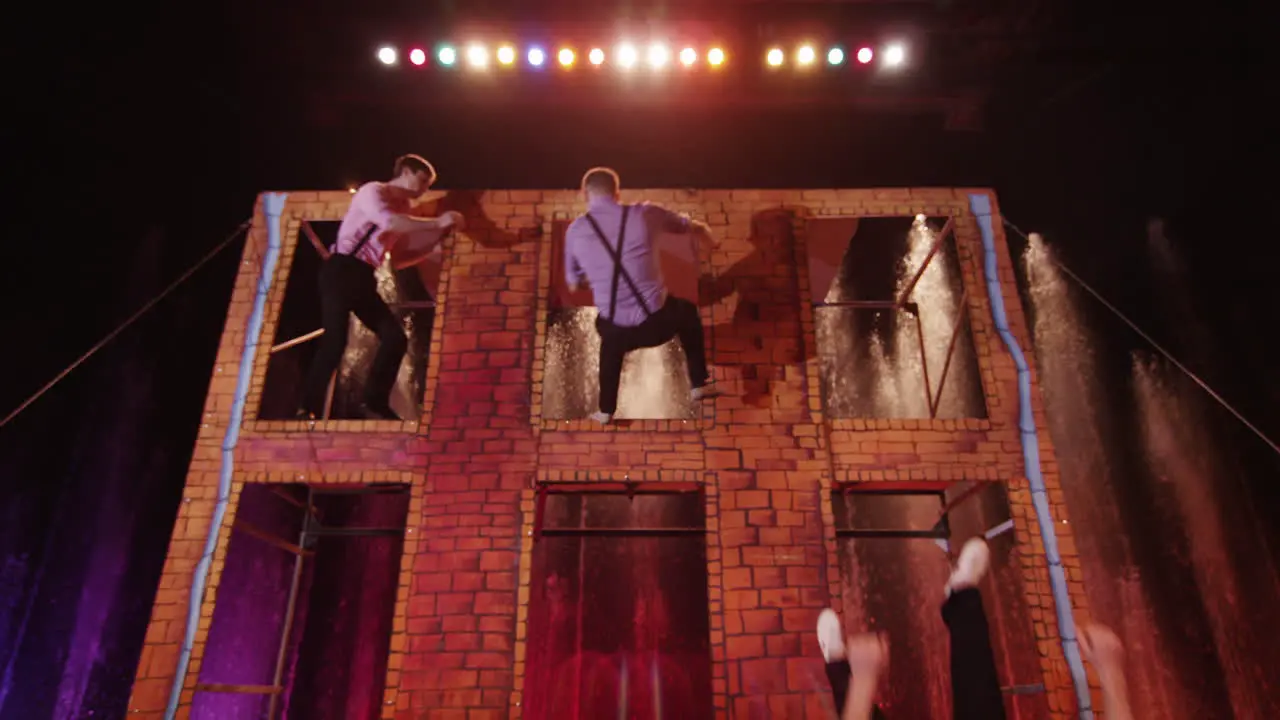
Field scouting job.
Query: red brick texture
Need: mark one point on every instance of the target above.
(766, 453)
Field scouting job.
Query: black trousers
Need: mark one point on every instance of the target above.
(347, 285)
(676, 318)
(975, 686)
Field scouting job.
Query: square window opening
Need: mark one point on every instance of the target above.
(303, 614)
(894, 562)
(410, 292)
(891, 319)
(619, 621)
(655, 380)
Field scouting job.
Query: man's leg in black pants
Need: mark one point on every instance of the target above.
(392, 345)
(335, 307)
(839, 677)
(975, 686)
(613, 350)
(688, 327)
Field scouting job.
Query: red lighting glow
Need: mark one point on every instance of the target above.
(865, 55)
(417, 56)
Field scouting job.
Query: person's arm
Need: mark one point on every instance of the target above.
(673, 222)
(1102, 648)
(400, 262)
(404, 224)
(373, 201)
(574, 277)
(868, 654)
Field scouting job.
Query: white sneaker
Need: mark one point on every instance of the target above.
(972, 565)
(706, 392)
(601, 417)
(830, 636)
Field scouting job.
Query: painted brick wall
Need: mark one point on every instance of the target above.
(766, 453)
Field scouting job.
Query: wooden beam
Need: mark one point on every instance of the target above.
(315, 240)
(252, 530)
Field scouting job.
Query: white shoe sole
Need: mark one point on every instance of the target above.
(830, 636)
(971, 566)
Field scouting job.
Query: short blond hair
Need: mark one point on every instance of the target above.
(602, 181)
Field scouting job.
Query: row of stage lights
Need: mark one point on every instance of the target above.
(627, 56)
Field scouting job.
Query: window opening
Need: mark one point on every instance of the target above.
(410, 292)
(302, 618)
(619, 620)
(895, 543)
(890, 315)
(655, 382)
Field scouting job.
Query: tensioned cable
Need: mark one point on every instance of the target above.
(125, 325)
(1159, 348)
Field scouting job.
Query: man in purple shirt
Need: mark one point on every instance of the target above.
(611, 247)
(375, 224)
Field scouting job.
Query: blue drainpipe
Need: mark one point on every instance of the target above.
(980, 206)
(273, 207)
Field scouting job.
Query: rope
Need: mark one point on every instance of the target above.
(125, 325)
(1158, 347)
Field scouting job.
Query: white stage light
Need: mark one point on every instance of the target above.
(895, 55)
(658, 55)
(627, 55)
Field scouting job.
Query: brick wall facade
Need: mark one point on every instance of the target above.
(767, 455)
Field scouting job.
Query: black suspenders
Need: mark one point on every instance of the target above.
(618, 272)
(364, 239)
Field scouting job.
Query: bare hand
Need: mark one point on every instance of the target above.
(453, 219)
(1101, 647)
(867, 653)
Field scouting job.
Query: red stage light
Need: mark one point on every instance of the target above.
(417, 56)
(865, 55)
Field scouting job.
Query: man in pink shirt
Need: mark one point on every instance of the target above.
(611, 247)
(376, 223)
